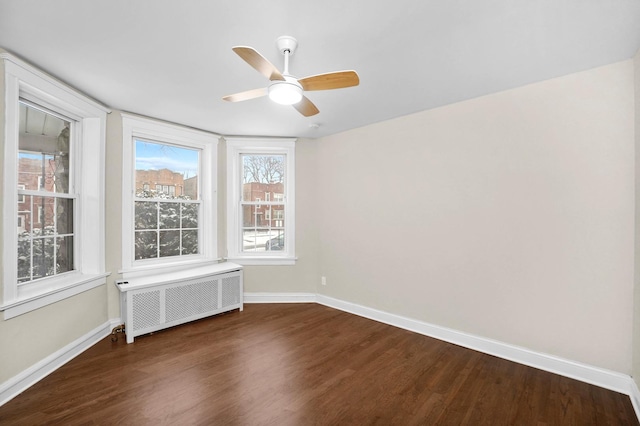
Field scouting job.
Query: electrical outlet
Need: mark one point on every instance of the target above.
(324, 280)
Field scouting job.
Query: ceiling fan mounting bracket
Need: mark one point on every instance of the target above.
(287, 43)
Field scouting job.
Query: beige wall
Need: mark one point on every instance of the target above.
(508, 216)
(31, 337)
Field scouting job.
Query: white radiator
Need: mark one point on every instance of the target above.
(155, 302)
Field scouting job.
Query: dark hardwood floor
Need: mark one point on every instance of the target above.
(304, 364)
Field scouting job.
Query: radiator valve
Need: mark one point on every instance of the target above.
(115, 331)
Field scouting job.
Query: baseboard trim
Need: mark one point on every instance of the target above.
(607, 379)
(27, 378)
(634, 395)
(279, 297)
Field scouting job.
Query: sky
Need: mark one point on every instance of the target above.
(155, 156)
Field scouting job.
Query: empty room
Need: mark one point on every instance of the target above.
(329, 213)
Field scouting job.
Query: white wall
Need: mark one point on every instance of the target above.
(509, 216)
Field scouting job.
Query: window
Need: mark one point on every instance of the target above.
(45, 246)
(256, 169)
(53, 140)
(165, 225)
(162, 227)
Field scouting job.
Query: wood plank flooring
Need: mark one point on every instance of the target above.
(304, 364)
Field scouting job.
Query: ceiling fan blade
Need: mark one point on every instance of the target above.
(330, 80)
(306, 107)
(259, 62)
(249, 94)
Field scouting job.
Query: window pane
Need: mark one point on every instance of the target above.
(45, 208)
(262, 176)
(163, 166)
(43, 257)
(24, 259)
(190, 242)
(146, 244)
(146, 215)
(169, 215)
(190, 215)
(24, 216)
(169, 243)
(64, 215)
(263, 168)
(252, 216)
(256, 239)
(43, 150)
(64, 254)
(38, 266)
(276, 243)
(277, 216)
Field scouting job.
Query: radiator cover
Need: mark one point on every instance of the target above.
(153, 303)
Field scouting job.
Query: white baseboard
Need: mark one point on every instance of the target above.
(634, 394)
(279, 297)
(586, 373)
(18, 384)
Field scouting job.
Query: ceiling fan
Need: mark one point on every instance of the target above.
(285, 88)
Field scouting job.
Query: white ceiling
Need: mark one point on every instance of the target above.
(172, 59)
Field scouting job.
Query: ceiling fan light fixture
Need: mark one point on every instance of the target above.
(285, 93)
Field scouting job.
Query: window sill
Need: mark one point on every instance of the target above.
(32, 299)
(164, 268)
(272, 261)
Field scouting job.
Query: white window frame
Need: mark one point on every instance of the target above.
(22, 81)
(235, 148)
(161, 132)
